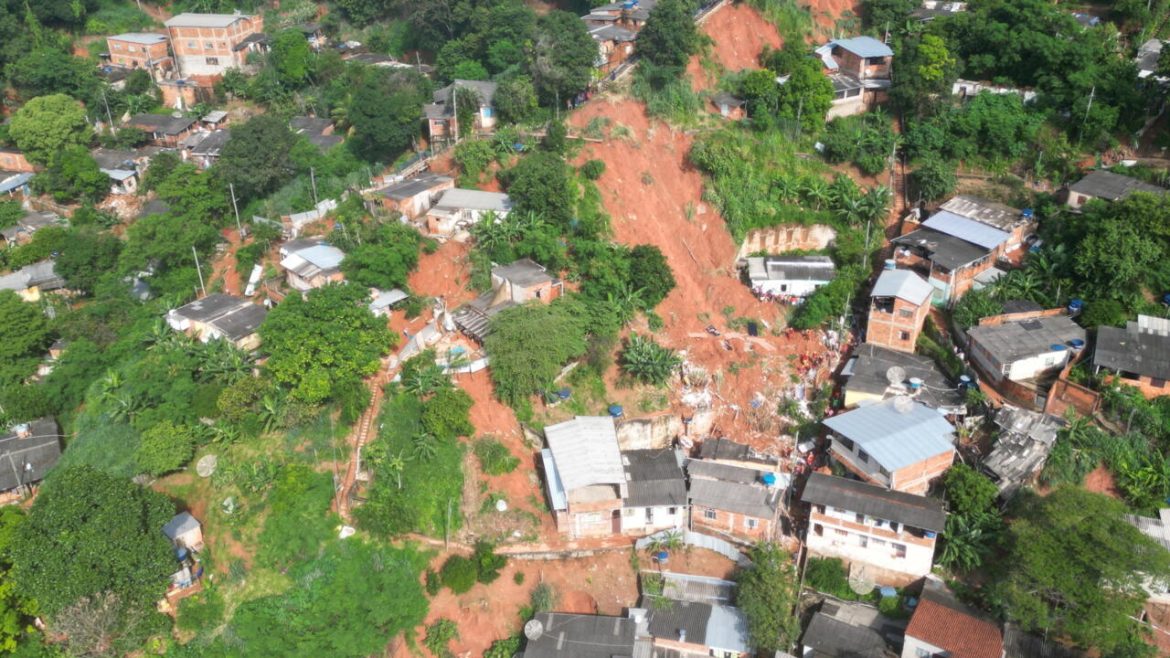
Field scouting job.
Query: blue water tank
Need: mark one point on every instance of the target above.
(1075, 305)
(1027, 213)
(1057, 347)
(564, 393)
(769, 479)
(180, 554)
(615, 410)
(661, 556)
(1076, 343)
(888, 592)
(891, 264)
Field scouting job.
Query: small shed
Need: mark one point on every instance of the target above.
(185, 531)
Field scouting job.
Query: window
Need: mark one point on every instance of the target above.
(863, 541)
(672, 511)
(846, 442)
(207, 45)
(864, 456)
(905, 313)
(1158, 383)
(875, 61)
(840, 533)
(903, 335)
(629, 511)
(818, 530)
(751, 524)
(877, 543)
(783, 287)
(649, 515)
(213, 61)
(710, 514)
(899, 550)
(860, 518)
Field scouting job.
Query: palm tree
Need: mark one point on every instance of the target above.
(876, 203)
(786, 188)
(425, 380)
(396, 464)
(271, 411)
(627, 300)
(815, 191)
(110, 383)
(850, 210)
(158, 334)
(423, 447)
(965, 543)
(647, 361)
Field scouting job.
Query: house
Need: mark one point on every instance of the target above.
(215, 120)
(31, 280)
(1138, 355)
(730, 107)
(1107, 186)
(941, 626)
(385, 300)
(14, 184)
(630, 14)
(184, 531)
(123, 167)
(519, 282)
(413, 197)
(442, 120)
(932, 9)
(163, 130)
(1147, 58)
(951, 265)
(977, 220)
(314, 34)
(966, 90)
(726, 451)
(859, 68)
(141, 50)
(615, 45)
(318, 131)
(565, 635)
(1024, 348)
(311, 264)
(899, 444)
(891, 532)
(1021, 449)
(585, 477)
(898, 306)
(203, 148)
(219, 316)
(691, 628)
(207, 45)
(740, 503)
(21, 232)
(457, 209)
(789, 276)
(657, 492)
(841, 629)
(31, 450)
(874, 373)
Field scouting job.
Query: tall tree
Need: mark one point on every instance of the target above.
(256, 159)
(325, 339)
(46, 125)
(385, 119)
(291, 57)
(669, 37)
(766, 596)
(563, 57)
(530, 344)
(87, 255)
(1076, 566)
(540, 184)
(24, 337)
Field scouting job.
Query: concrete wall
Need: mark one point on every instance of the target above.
(779, 239)
(732, 524)
(844, 539)
(634, 521)
(651, 433)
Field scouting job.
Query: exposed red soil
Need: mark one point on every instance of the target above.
(740, 34)
(225, 266)
(1100, 480)
(445, 274)
(827, 12)
(649, 189)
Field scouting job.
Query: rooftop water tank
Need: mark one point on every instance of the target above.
(1075, 305)
(915, 384)
(1076, 343)
(564, 393)
(1027, 213)
(1057, 347)
(891, 264)
(768, 479)
(615, 410)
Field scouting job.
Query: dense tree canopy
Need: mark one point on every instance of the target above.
(385, 118)
(24, 337)
(385, 262)
(765, 596)
(316, 343)
(1076, 566)
(669, 37)
(563, 57)
(46, 125)
(86, 256)
(529, 345)
(256, 159)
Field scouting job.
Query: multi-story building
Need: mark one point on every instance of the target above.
(898, 307)
(892, 531)
(859, 68)
(898, 444)
(207, 45)
(741, 503)
(1138, 355)
(141, 50)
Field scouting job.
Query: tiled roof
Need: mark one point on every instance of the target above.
(942, 621)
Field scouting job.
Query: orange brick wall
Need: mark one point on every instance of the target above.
(136, 55)
(916, 478)
(885, 328)
(732, 523)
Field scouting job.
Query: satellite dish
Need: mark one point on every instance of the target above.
(206, 466)
(896, 375)
(903, 404)
(501, 505)
(533, 629)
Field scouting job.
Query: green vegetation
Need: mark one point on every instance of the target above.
(529, 344)
(648, 362)
(494, 457)
(439, 635)
(974, 523)
(459, 574)
(765, 596)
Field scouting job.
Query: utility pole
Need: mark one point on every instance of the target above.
(236, 208)
(313, 180)
(199, 270)
(113, 129)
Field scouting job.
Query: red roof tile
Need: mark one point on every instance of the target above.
(943, 622)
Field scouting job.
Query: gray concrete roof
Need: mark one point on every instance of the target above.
(586, 453)
(984, 211)
(565, 635)
(27, 460)
(655, 479)
(1012, 341)
(868, 369)
(943, 249)
(204, 20)
(878, 502)
(896, 432)
(523, 272)
(1131, 350)
(1107, 185)
(144, 38)
(463, 199)
(902, 284)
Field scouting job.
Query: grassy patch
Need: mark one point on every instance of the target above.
(494, 457)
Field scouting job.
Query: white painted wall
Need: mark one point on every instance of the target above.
(879, 551)
(1032, 366)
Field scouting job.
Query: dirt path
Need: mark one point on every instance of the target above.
(361, 434)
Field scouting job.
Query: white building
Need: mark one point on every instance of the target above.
(458, 209)
(796, 276)
(894, 532)
(1024, 349)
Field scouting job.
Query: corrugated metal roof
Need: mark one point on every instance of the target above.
(864, 46)
(902, 284)
(655, 479)
(585, 452)
(556, 489)
(895, 438)
(460, 199)
(727, 630)
(1107, 185)
(833, 638)
(754, 500)
(144, 38)
(972, 231)
(204, 20)
(874, 501)
(985, 211)
(181, 523)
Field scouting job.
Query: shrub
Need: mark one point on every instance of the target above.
(445, 415)
(494, 457)
(647, 361)
(593, 169)
(201, 612)
(518, 577)
(544, 598)
(829, 576)
(459, 574)
(505, 648)
(434, 582)
(439, 635)
(487, 563)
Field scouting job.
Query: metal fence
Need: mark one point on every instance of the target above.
(692, 538)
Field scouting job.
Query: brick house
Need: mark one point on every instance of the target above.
(897, 443)
(518, 282)
(413, 197)
(141, 50)
(892, 531)
(219, 316)
(585, 479)
(859, 68)
(734, 501)
(311, 264)
(1016, 223)
(1138, 355)
(163, 130)
(941, 626)
(694, 628)
(898, 306)
(615, 44)
(207, 45)
(630, 14)
(442, 118)
(867, 379)
(1022, 347)
(1107, 186)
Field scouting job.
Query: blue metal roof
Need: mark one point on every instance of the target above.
(894, 438)
(963, 228)
(864, 47)
(556, 490)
